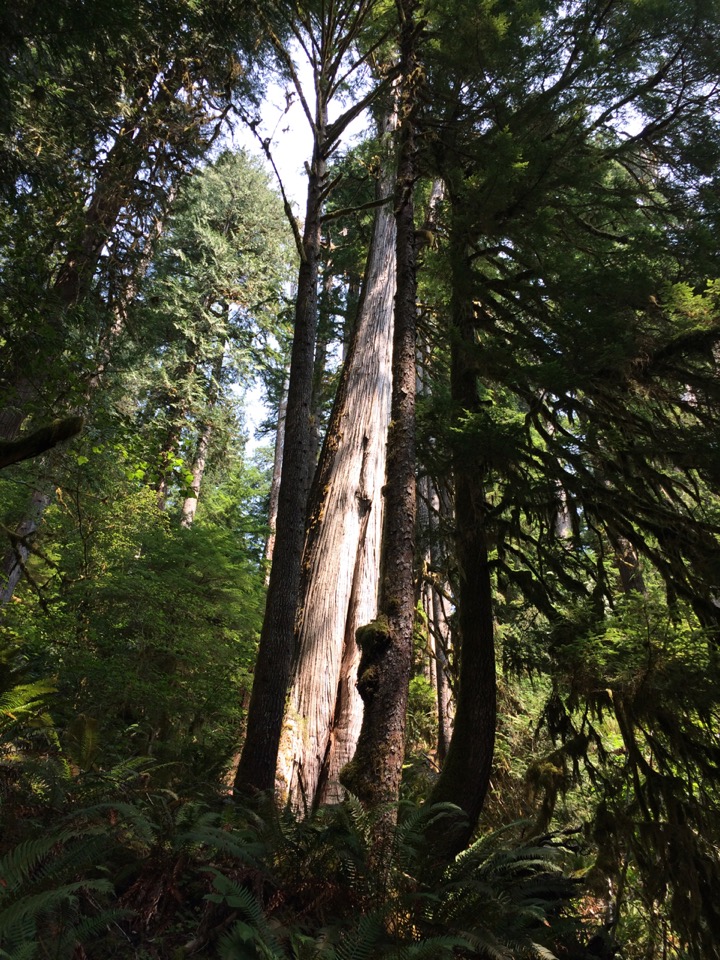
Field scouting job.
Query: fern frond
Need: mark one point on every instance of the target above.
(362, 942)
(542, 953)
(17, 866)
(430, 948)
(24, 699)
(144, 828)
(224, 841)
(84, 931)
(38, 905)
(253, 928)
(27, 950)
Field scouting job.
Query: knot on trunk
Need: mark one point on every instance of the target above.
(373, 640)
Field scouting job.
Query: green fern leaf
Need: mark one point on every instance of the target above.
(38, 905)
(362, 943)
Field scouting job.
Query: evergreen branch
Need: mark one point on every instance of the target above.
(39, 441)
(346, 211)
(336, 129)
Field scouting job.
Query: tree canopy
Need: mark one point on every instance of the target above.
(438, 675)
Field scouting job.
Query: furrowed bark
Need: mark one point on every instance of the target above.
(386, 643)
(341, 560)
(326, 42)
(256, 770)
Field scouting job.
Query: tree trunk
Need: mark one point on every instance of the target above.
(275, 482)
(198, 467)
(465, 776)
(386, 643)
(326, 41)
(441, 643)
(341, 559)
(256, 770)
(438, 626)
(628, 564)
(16, 556)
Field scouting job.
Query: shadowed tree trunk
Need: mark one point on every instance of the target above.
(436, 606)
(32, 444)
(327, 42)
(465, 776)
(441, 643)
(275, 481)
(628, 564)
(340, 563)
(18, 552)
(386, 643)
(256, 770)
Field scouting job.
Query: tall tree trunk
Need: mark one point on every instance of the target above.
(441, 643)
(438, 626)
(256, 770)
(198, 466)
(275, 482)
(326, 41)
(340, 563)
(465, 776)
(628, 564)
(386, 643)
(319, 395)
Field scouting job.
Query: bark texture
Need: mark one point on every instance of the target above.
(375, 772)
(256, 770)
(341, 560)
(326, 41)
